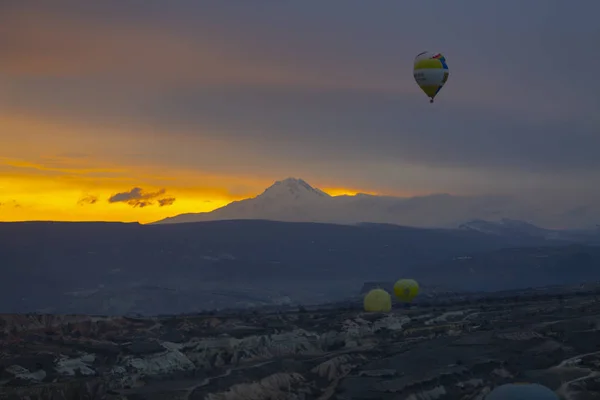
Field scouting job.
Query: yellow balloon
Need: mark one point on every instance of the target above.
(529, 391)
(431, 72)
(378, 300)
(406, 289)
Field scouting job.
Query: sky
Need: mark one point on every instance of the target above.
(139, 110)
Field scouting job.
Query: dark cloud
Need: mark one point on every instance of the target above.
(137, 197)
(379, 126)
(167, 201)
(87, 199)
(300, 87)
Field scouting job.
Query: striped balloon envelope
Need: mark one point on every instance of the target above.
(431, 72)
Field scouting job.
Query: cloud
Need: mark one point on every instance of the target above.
(87, 199)
(167, 201)
(137, 197)
(73, 155)
(337, 125)
(60, 165)
(159, 53)
(10, 203)
(259, 91)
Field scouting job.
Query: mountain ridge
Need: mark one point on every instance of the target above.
(294, 200)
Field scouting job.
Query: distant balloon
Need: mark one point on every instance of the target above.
(431, 73)
(521, 391)
(378, 300)
(406, 289)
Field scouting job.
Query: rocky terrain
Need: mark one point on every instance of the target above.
(452, 351)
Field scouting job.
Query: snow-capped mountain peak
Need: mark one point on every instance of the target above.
(293, 199)
(292, 188)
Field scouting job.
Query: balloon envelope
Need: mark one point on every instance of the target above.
(431, 72)
(406, 289)
(521, 391)
(378, 300)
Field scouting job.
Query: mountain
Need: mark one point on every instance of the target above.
(515, 228)
(114, 268)
(507, 226)
(294, 200)
(287, 200)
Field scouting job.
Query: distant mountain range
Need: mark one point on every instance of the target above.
(294, 200)
(514, 228)
(112, 268)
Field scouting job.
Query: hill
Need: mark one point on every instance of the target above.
(121, 268)
(513, 268)
(507, 269)
(515, 228)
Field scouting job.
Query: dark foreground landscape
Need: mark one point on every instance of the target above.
(253, 310)
(132, 269)
(455, 351)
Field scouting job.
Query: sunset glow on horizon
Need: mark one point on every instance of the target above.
(66, 177)
(31, 192)
(186, 107)
(71, 177)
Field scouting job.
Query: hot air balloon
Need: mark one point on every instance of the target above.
(378, 300)
(431, 73)
(406, 289)
(521, 391)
